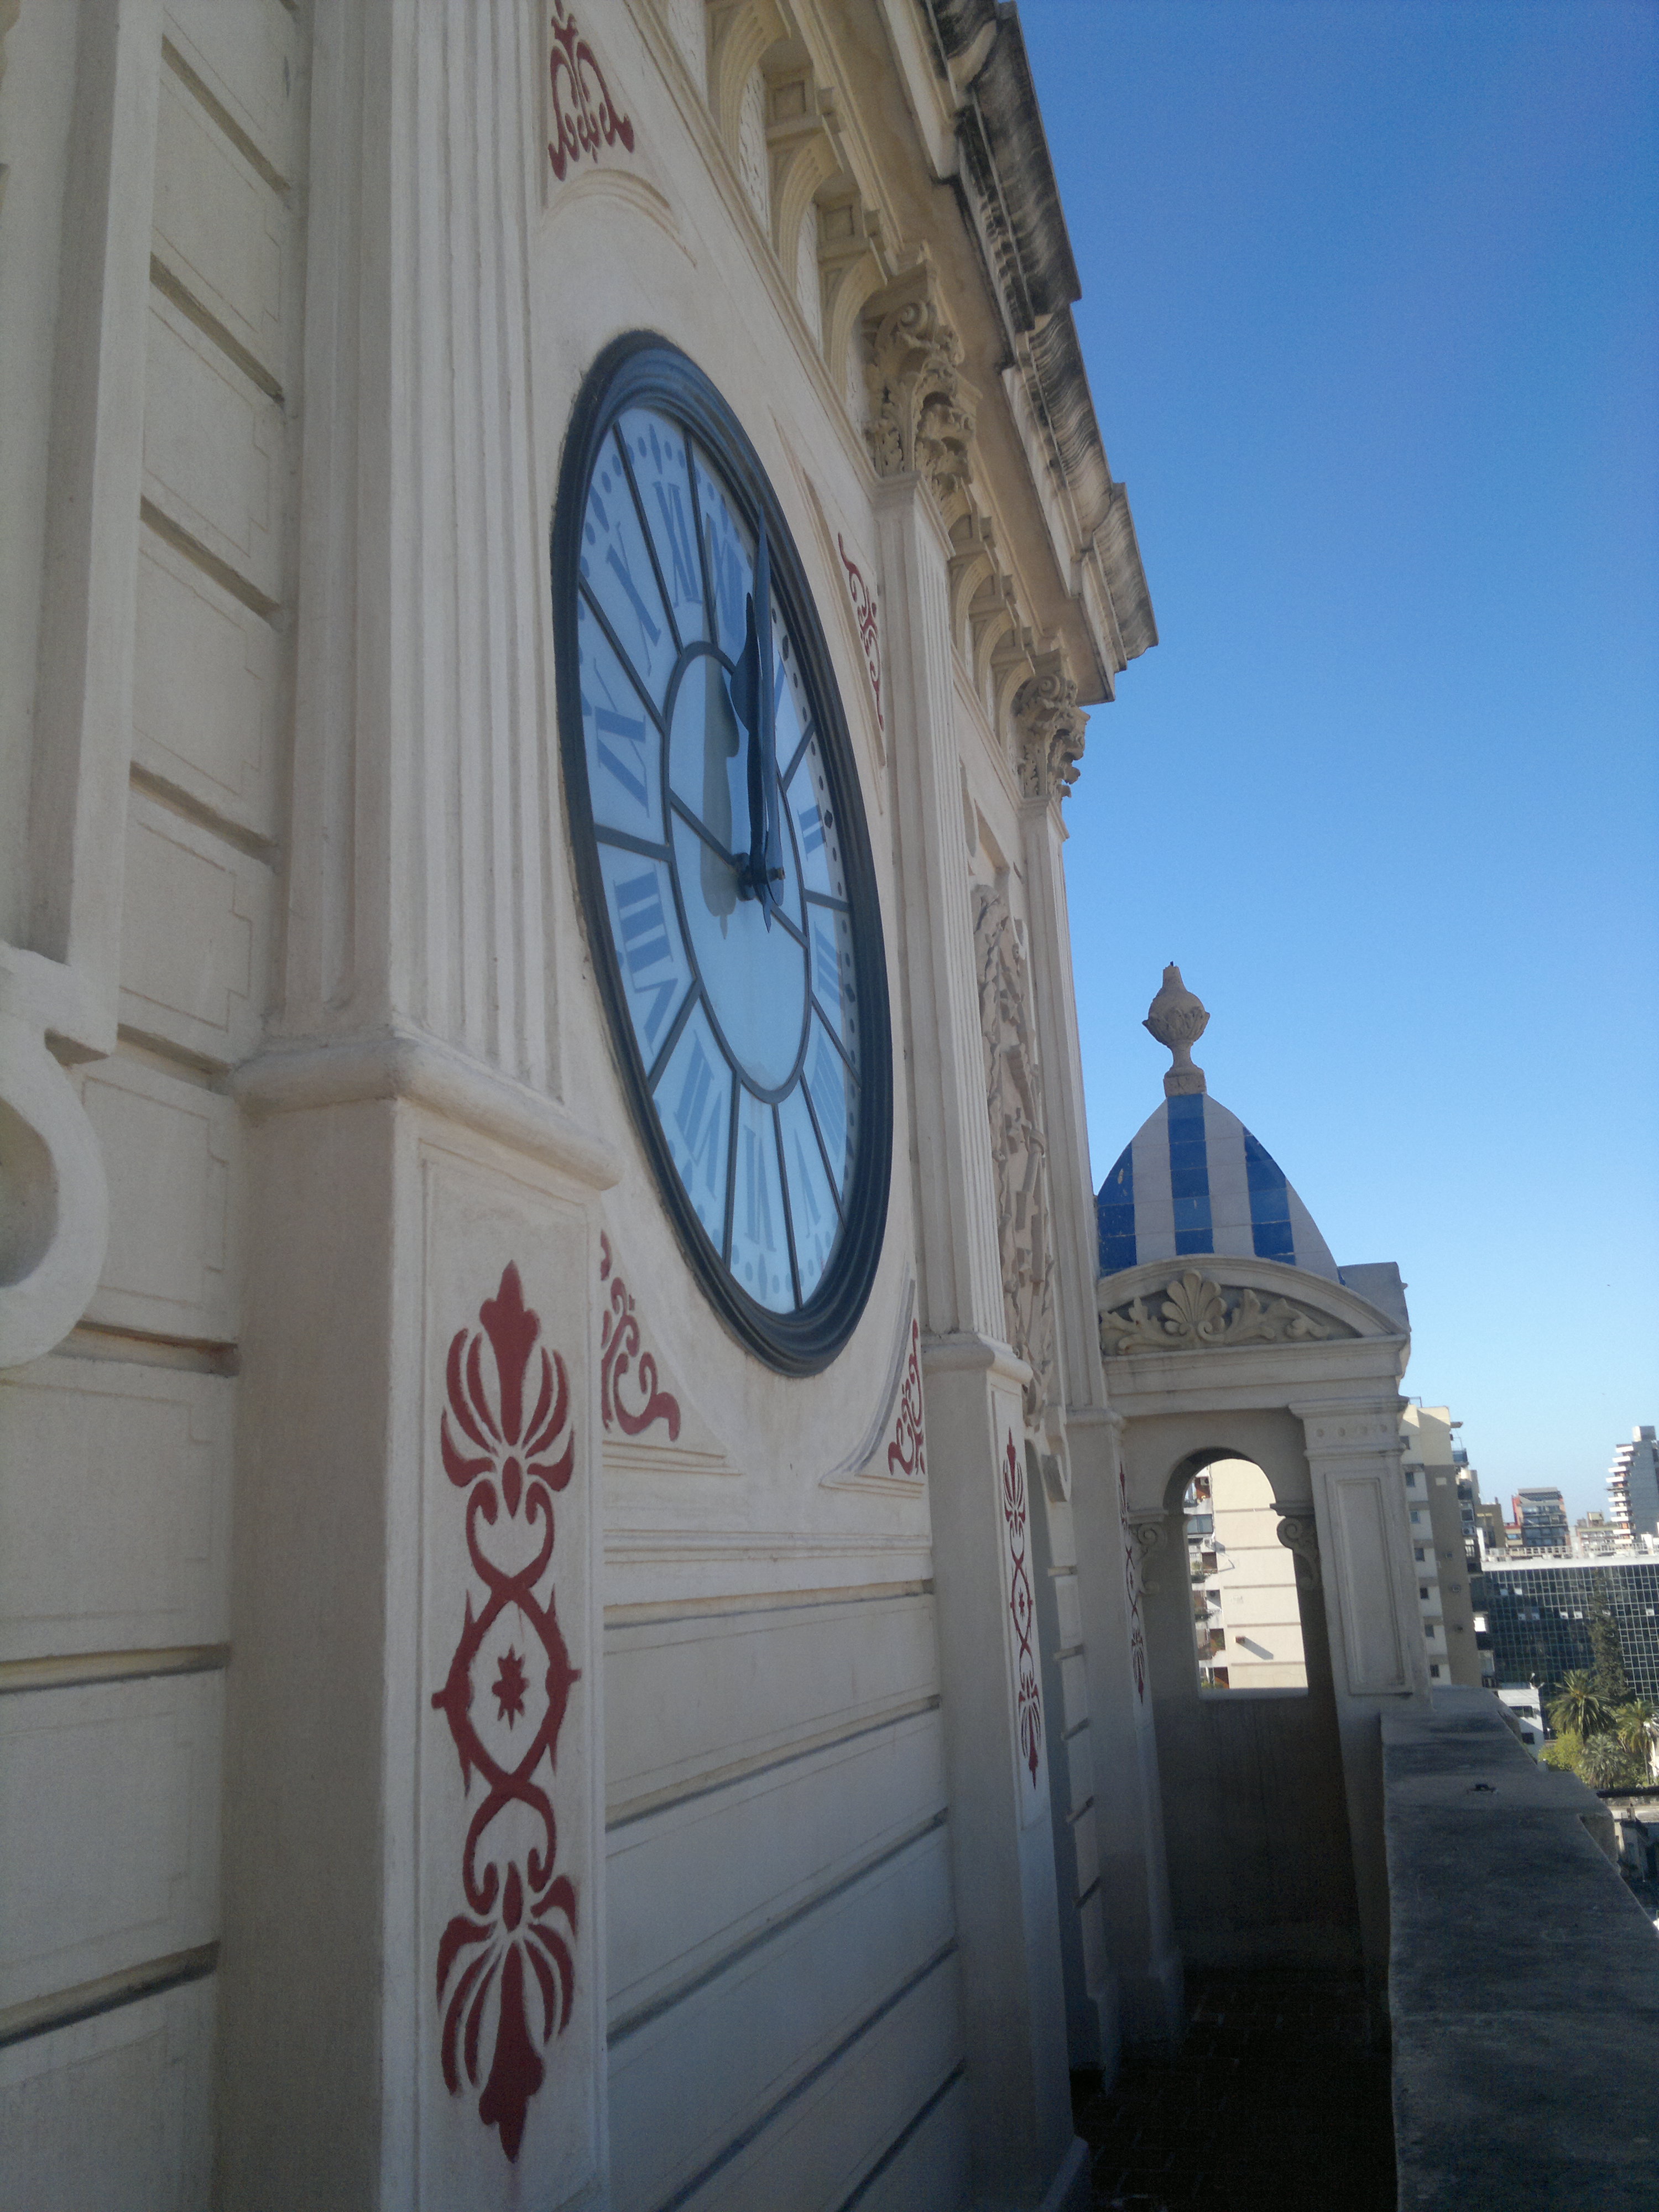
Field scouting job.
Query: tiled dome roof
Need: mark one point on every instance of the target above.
(1193, 1181)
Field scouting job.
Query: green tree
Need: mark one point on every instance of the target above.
(1562, 1752)
(1605, 1763)
(1579, 1707)
(1633, 1724)
(1608, 1675)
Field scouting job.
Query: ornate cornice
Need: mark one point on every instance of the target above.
(1195, 1312)
(1049, 726)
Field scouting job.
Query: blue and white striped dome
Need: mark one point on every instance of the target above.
(1195, 1181)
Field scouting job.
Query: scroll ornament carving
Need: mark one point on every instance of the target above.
(511, 1447)
(918, 418)
(1151, 1535)
(620, 1352)
(864, 613)
(583, 115)
(1050, 726)
(1195, 1311)
(1018, 1155)
(1298, 1534)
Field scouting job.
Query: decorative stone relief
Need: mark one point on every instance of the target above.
(581, 113)
(1151, 1532)
(1178, 1017)
(1017, 1151)
(864, 611)
(1298, 1534)
(620, 1350)
(1196, 1311)
(919, 419)
(1021, 1611)
(1050, 728)
(504, 1452)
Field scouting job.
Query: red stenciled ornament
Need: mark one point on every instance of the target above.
(522, 1922)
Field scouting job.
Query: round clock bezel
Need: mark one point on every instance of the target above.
(644, 369)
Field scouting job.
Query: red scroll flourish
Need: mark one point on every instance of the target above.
(619, 1349)
(906, 1455)
(508, 1684)
(1021, 1608)
(593, 118)
(864, 612)
(1132, 1587)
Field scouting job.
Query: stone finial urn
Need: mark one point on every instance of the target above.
(1178, 1017)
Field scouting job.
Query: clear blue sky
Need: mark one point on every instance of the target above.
(1370, 310)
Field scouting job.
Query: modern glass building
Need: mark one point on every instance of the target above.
(1538, 1618)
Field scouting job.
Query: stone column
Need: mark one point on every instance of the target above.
(1024, 2148)
(412, 1984)
(1122, 1920)
(1362, 1542)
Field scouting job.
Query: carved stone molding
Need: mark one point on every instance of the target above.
(1298, 1534)
(920, 411)
(1194, 1312)
(1151, 1532)
(1018, 1154)
(1050, 727)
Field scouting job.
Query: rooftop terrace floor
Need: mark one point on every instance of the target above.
(1273, 2101)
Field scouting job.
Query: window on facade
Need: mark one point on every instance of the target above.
(1244, 1595)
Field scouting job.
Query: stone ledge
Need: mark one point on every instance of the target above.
(1523, 1977)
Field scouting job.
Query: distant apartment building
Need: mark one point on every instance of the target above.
(1441, 1496)
(1594, 1535)
(1633, 1485)
(1538, 1617)
(1525, 1701)
(1539, 1521)
(1492, 1533)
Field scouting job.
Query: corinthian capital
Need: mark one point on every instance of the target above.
(921, 414)
(1049, 726)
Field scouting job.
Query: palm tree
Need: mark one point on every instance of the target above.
(1605, 1763)
(1633, 1725)
(1577, 1707)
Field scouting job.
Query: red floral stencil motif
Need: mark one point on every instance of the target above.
(619, 1349)
(864, 613)
(905, 1455)
(1021, 1609)
(1132, 1588)
(593, 118)
(505, 1696)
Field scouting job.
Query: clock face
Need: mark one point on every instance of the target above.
(722, 854)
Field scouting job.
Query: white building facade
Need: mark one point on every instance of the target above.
(571, 1628)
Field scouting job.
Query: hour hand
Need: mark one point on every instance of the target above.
(752, 702)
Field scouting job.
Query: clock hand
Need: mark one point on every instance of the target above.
(753, 704)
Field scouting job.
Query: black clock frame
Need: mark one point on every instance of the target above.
(641, 368)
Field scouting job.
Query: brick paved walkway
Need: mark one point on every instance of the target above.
(1273, 2104)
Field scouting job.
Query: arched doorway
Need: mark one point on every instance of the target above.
(1256, 1816)
(1247, 1612)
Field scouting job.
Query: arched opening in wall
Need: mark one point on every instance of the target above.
(1247, 1610)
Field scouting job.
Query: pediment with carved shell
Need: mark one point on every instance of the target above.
(1217, 1302)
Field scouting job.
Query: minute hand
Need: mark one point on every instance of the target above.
(753, 701)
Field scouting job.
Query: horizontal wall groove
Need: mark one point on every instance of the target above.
(1077, 1811)
(137, 1348)
(43, 2015)
(1076, 1730)
(222, 116)
(916, 2120)
(1066, 1651)
(173, 286)
(77, 1670)
(169, 794)
(745, 1770)
(813, 2075)
(1080, 1900)
(631, 2023)
(664, 1612)
(227, 578)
